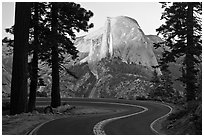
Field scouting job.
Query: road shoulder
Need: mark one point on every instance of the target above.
(22, 124)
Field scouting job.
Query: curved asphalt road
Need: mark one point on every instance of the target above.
(83, 125)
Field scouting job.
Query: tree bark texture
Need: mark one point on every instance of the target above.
(34, 64)
(18, 100)
(55, 93)
(190, 75)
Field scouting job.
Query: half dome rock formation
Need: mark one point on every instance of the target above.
(114, 62)
(120, 37)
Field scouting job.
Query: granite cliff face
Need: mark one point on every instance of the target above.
(120, 37)
(114, 62)
(119, 51)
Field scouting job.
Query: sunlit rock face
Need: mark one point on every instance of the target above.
(114, 62)
(119, 37)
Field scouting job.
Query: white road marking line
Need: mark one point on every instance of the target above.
(98, 128)
(33, 131)
(154, 122)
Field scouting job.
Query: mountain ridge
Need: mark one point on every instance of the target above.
(119, 37)
(114, 61)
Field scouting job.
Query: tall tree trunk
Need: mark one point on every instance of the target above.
(34, 64)
(55, 93)
(190, 75)
(18, 100)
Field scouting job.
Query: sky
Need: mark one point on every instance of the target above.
(8, 9)
(147, 14)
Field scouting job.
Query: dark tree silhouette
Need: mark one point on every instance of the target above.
(34, 62)
(182, 34)
(54, 41)
(55, 94)
(35, 47)
(190, 61)
(65, 19)
(18, 100)
(155, 87)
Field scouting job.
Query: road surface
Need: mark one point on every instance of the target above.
(137, 124)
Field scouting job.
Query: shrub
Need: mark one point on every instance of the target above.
(48, 109)
(141, 98)
(41, 94)
(5, 105)
(177, 115)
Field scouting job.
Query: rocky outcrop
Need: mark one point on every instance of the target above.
(115, 61)
(6, 75)
(120, 37)
(120, 80)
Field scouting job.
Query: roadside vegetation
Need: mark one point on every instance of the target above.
(182, 34)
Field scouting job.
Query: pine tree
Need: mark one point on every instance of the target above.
(162, 86)
(190, 60)
(34, 62)
(155, 86)
(182, 34)
(18, 100)
(65, 19)
(167, 85)
(55, 94)
(53, 35)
